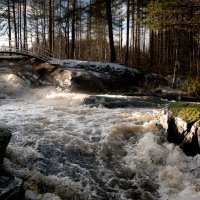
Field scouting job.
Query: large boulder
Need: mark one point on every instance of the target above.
(184, 126)
(91, 76)
(5, 136)
(80, 80)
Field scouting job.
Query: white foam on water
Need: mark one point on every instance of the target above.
(92, 152)
(11, 86)
(174, 171)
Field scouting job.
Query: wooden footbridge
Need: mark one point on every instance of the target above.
(32, 50)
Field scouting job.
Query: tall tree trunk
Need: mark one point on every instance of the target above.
(19, 21)
(50, 26)
(151, 49)
(120, 39)
(9, 25)
(68, 30)
(137, 37)
(127, 33)
(44, 24)
(60, 48)
(25, 24)
(15, 26)
(53, 25)
(80, 32)
(89, 27)
(73, 31)
(133, 33)
(110, 31)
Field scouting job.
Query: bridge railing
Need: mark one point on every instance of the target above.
(32, 49)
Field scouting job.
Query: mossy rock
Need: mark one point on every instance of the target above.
(189, 112)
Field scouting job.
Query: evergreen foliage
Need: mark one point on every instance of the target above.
(192, 86)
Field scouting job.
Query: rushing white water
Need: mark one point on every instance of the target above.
(64, 149)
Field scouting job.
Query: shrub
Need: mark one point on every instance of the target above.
(192, 86)
(189, 112)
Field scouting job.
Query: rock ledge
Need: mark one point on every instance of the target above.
(184, 126)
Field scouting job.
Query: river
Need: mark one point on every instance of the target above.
(64, 149)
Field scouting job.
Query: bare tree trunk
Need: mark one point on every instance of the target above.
(44, 24)
(53, 25)
(127, 34)
(80, 32)
(25, 24)
(50, 26)
(15, 26)
(138, 32)
(67, 44)
(110, 31)
(9, 25)
(73, 31)
(151, 49)
(120, 39)
(19, 21)
(133, 34)
(89, 27)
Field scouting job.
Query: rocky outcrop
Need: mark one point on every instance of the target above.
(90, 76)
(5, 136)
(184, 126)
(11, 188)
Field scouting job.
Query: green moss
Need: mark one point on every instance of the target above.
(189, 112)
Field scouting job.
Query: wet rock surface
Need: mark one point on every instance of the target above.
(91, 76)
(184, 127)
(5, 136)
(11, 188)
(128, 102)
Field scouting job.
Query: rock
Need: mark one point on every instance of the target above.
(184, 126)
(11, 188)
(82, 76)
(173, 94)
(91, 76)
(122, 102)
(73, 80)
(42, 66)
(5, 136)
(155, 80)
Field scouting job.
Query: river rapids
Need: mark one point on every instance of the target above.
(64, 149)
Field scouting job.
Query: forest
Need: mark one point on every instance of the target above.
(112, 109)
(151, 35)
